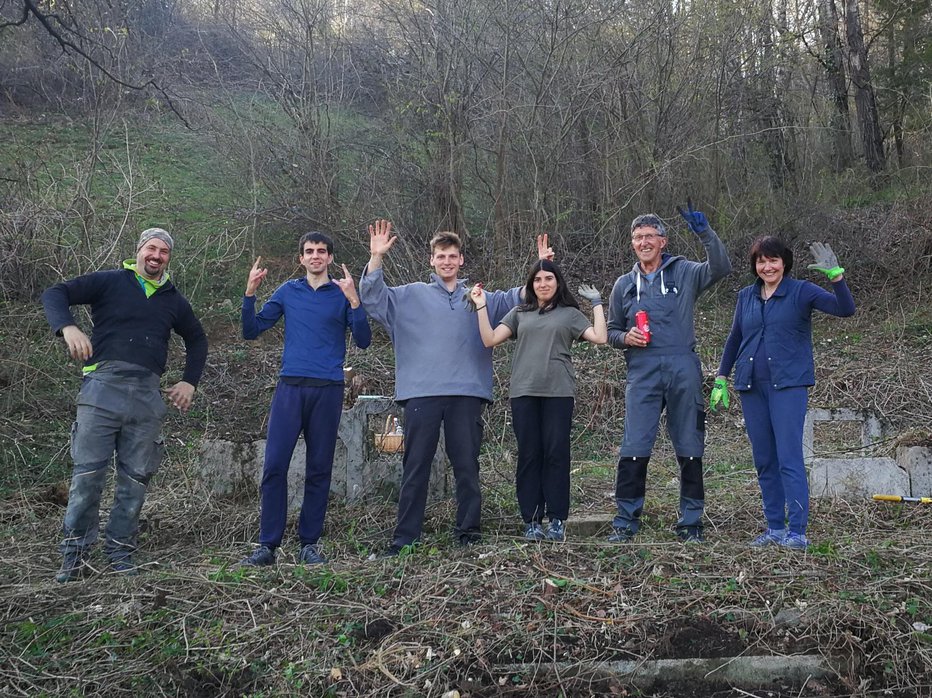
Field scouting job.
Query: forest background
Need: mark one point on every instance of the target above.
(239, 125)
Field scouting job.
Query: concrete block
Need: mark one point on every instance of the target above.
(917, 462)
(359, 469)
(872, 429)
(856, 478)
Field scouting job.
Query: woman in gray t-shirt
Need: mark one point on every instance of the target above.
(543, 386)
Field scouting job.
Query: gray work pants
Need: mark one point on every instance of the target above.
(120, 410)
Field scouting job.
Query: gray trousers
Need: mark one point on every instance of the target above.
(120, 409)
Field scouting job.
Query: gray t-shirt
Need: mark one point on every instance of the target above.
(542, 366)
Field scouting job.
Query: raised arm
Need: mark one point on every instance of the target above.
(380, 242)
(356, 314)
(717, 265)
(598, 333)
(490, 337)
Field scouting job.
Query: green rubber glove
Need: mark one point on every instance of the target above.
(719, 394)
(825, 260)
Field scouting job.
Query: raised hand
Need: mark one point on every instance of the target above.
(381, 238)
(696, 220)
(825, 260)
(256, 275)
(181, 395)
(591, 294)
(79, 346)
(348, 286)
(476, 297)
(544, 250)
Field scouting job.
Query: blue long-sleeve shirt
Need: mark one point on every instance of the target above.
(315, 327)
(772, 340)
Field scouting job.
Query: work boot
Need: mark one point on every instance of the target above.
(124, 566)
(621, 534)
(72, 566)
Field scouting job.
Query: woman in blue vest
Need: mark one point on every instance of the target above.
(770, 348)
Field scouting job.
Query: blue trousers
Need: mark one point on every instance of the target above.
(316, 413)
(774, 421)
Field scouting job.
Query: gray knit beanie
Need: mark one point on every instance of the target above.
(159, 233)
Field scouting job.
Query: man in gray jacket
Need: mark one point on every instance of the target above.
(443, 375)
(663, 368)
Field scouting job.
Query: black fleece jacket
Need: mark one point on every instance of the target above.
(127, 325)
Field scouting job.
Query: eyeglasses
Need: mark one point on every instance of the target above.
(645, 236)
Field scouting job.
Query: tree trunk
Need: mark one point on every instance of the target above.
(864, 100)
(843, 155)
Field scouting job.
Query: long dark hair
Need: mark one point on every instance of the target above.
(561, 297)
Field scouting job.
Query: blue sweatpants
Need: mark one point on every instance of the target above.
(316, 413)
(774, 421)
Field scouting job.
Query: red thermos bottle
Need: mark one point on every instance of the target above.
(643, 324)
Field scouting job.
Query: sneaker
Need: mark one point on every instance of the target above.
(621, 534)
(72, 567)
(310, 555)
(124, 566)
(534, 531)
(391, 551)
(263, 556)
(467, 540)
(556, 531)
(772, 536)
(796, 541)
(690, 534)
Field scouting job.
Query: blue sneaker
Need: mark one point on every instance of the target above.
(556, 531)
(534, 531)
(796, 541)
(772, 536)
(310, 555)
(263, 556)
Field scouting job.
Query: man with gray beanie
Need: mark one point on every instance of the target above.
(663, 369)
(120, 408)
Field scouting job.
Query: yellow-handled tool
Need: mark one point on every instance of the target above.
(898, 498)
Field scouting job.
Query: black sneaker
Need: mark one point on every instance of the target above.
(310, 555)
(124, 566)
(263, 556)
(72, 567)
(467, 540)
(556, 531)
(621, 534)
(690, 534)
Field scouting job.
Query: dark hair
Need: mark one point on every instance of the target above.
(445, 239)
(770, 246)
(315, 236)
(561, 297)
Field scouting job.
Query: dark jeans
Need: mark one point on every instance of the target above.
(542, 480)
(461, 417)
(316, 413)
(120, 409)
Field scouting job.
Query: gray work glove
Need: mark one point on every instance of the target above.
(591, 294)
(825, 260)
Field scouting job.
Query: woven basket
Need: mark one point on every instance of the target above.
(388, 442)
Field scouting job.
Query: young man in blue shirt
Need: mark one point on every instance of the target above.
(318, 310)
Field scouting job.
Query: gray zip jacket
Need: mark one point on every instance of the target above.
(678, 279)
(438, 350)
